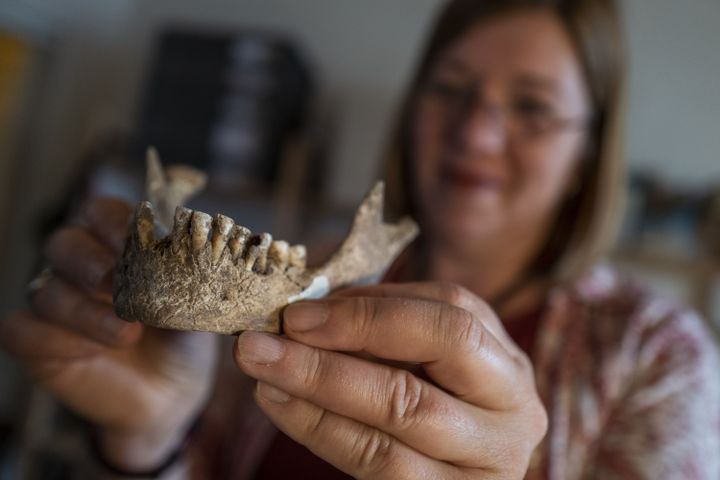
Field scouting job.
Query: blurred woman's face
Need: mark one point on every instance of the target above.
(499, 129)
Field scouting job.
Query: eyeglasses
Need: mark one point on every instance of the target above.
(524, 118)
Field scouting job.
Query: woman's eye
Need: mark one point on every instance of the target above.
(533, 107)
(446, 89)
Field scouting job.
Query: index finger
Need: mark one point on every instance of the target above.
(458, 352)
(445, 292)
(109, 220)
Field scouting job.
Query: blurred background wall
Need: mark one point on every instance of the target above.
(98, 53)
(362, 52)
(674, 121)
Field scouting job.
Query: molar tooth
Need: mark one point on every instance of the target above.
(238, 238)
(279, 254)
(222, 226)
(298, 256)
(181, 228)
(199, 229)
(257, 254)
(145, 224)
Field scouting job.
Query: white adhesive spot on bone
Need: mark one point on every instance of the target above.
(319, 287)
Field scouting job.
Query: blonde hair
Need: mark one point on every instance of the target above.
(586, 223)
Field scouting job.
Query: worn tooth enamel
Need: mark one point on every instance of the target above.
(222, 226)
(199, 229)
(145, 224)
(252, 254)
(297, 256)
(238, 238)
(257, 254)
(181, 228)
(279, 254)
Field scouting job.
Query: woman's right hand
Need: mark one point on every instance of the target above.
(139, 385)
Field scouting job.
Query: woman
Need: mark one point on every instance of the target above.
(537, 366)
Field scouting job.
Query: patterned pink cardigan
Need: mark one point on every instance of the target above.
(630, 380)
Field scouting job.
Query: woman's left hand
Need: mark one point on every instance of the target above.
(479, 417)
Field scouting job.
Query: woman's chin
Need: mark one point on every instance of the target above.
(465, 215)
(455, 226)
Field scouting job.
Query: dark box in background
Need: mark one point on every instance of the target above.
(226, 103)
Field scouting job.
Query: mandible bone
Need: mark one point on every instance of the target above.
(189, 280)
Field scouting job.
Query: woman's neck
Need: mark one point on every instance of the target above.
(496, 273)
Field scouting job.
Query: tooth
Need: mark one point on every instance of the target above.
(145, 224)
(278, 254)
(298, 256)
(221, 230)
(181, 228)
(257, 255)
(238, 238)
(199, 229)
(252, 255)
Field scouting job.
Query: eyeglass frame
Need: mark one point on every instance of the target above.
(471, 98)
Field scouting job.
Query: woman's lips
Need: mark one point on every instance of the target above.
(460, 178)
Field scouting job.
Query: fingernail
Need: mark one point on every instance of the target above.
(272, 394)
(304, 316)
(260, 348)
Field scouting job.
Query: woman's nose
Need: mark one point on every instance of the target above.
(481, 128)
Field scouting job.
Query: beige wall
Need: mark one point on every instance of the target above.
(363, 50)
(674, 122)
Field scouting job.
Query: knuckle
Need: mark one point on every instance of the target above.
(523, 361)
(372, 452)
(453, 294)
(315, 371)
(53, 299)
(59, 241)
(316, 424)
(124, 332)
(73, 251)
(88, 312)
(539, 421)
(407, 400)
(523, 369)
(109, 218)
(466, 332)
(95, 321)
(364, 311)
(530, 429)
